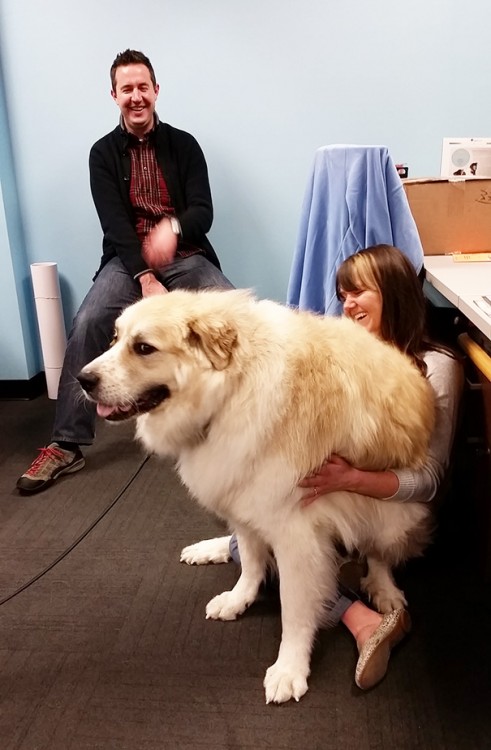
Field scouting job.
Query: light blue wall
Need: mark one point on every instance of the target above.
(261, 85)
(19, 355)
(13, 358)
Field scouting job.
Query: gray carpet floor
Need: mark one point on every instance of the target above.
(104, 643)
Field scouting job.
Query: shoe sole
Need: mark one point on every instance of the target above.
(374, 669)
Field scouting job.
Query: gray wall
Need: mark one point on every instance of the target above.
(261, 85)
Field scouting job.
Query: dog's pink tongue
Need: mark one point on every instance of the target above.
(105, 411)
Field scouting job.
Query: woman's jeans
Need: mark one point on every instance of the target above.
(335, 609)
(93, 327)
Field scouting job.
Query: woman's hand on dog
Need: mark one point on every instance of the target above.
(334, 475)
(337, 475)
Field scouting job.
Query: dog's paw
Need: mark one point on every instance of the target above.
(384, 599)
(387, 601)
(281, 684)
(225, 606)
(207, 551)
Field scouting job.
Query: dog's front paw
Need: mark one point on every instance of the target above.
(207, 551)
(387, 601)
(386, 598)
(282, 683)
(225, 606)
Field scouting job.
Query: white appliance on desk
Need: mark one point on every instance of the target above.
(466, 157)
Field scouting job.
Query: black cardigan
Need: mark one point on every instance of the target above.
(184, 168)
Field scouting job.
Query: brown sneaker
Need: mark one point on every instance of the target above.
(51, 463)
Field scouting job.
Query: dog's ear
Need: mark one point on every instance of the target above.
(217, 339)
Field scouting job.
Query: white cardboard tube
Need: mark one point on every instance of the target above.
(49, 312)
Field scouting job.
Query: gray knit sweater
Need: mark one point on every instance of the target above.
(445, 375)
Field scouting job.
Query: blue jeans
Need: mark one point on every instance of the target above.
(92, 331)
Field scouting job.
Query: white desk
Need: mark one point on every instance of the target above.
(461, 283)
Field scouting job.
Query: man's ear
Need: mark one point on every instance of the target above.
(217, 339)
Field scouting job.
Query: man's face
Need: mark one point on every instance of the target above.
(135, 96)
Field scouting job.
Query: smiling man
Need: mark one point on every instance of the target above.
(150, 187)
(135, 91)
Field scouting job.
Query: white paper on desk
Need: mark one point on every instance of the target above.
(51, 324)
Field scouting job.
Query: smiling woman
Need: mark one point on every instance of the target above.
(364, 306)
(380, 289)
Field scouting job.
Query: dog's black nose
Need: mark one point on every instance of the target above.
(88, 380)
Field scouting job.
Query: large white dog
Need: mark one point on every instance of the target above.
(249, 397)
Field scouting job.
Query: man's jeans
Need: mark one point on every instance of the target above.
(93, 327)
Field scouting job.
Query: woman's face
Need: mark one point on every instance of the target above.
(364, 306)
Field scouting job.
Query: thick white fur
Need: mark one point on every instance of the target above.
(259, 395)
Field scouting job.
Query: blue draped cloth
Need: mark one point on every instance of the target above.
(354, 199)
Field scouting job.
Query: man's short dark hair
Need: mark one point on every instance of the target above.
(131, 57)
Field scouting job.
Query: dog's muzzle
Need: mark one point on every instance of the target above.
(114, 412)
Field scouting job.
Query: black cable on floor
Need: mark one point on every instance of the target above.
(77, 541)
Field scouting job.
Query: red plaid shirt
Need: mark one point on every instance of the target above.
(149, 195)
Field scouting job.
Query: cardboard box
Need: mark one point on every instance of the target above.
(452, 216)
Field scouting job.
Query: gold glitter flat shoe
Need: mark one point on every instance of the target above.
(374, 655)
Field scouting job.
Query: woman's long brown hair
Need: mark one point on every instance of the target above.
(386, 269)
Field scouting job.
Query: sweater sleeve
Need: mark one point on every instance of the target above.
(445, 375)
(197, 217)
(117, 226)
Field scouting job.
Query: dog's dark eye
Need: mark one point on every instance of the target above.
(142, 348)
